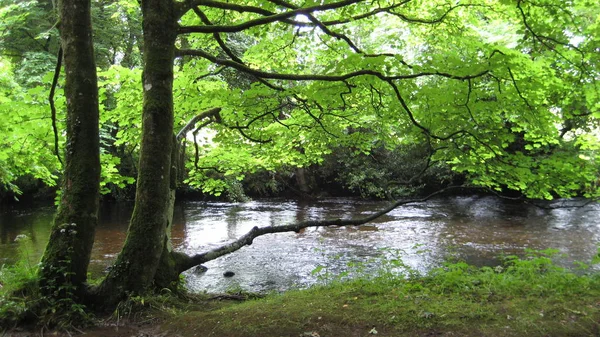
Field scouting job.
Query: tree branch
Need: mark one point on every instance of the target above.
(514, 82)
(238, 8)
(186, 262)
(322, 26)
(318, 77)
(256, 22)
(543, 40)
(214, 112)
(51, 101)
(258, 10)
(228, 50)
(431, 21)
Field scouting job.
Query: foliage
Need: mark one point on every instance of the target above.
(500, 93)
(28, 148)
(403, 171)
(264, 183)
(110, 174)
(18, 292)
(27, 142)
(22, 303)
(28, 39)
(18, 287)
(29, 44)
(504, 93)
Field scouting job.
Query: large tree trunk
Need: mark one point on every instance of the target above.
(135, 268)
(65, 262)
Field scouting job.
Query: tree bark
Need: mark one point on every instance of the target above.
(136, 266)
(167, 274)
(67, 255)
(169, 269)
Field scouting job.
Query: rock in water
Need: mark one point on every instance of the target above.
(228, 274)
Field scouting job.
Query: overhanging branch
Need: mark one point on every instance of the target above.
(318, 77)
(186, 262)
(256, 22)
(214, 112)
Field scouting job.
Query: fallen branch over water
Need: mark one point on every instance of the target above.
(235, 297)
(185, 262)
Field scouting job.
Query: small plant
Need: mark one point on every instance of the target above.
(322, 271)
(18, 286)
(392, 264)
(235, 191)
(130, 307)
(56, 304)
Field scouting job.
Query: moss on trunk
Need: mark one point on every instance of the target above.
(137, 263)
(167, 273)
(67, 255)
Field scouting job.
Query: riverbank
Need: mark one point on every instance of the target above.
(523, 297)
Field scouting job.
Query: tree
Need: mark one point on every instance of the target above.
(63, 270)
(449, 78)
(136, 266)
(456, 84)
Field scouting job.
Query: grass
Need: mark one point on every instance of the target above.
(22, 302)
(18, 289)
(523, 297)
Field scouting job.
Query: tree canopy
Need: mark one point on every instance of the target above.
(503, 91)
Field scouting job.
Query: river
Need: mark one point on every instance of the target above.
(477, 229)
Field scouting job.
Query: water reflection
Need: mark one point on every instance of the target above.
(24, 221)
(474, 228)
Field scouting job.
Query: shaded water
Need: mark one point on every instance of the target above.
(476, 228)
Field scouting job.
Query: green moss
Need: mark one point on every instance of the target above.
(134, 271)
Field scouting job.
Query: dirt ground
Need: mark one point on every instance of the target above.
(123, 330)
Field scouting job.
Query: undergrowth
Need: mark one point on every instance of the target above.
(528, 295)
(22, 302)
(18, 290)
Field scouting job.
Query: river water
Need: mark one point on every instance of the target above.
(477, 229)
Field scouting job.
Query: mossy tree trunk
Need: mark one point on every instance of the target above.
(65, 262)
(167, 273)
(136, 266)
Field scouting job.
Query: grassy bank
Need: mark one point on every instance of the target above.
(524, 297)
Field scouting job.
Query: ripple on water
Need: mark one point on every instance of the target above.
(474, 228)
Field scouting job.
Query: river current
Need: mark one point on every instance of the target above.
(476, 229)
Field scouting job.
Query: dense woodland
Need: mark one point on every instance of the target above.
(381, 98)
